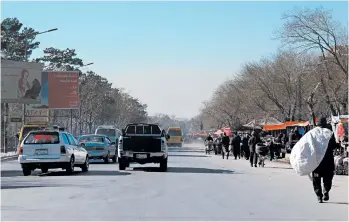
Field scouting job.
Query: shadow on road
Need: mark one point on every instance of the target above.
(179, 155)
(16, 173)
(342, 203)
(89, 173)
(101, 163)
(11, 173)
(185, 151)
(184, 170)
(7, 187)
(280, 167)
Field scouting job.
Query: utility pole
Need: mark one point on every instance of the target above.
(26, 57)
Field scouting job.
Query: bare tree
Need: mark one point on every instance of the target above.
(308, 29)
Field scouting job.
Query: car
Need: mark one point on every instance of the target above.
(112, 132)
(99, 147)
(50, 149)
(143, 143)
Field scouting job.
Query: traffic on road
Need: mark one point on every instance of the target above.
(215, 111)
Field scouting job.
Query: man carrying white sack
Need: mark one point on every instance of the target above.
(313, 155)
(326, 168)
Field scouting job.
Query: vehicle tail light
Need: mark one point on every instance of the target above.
(20, 150)
(63, 150)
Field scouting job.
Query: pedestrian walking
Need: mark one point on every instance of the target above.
(225, 145)
(235, 143)
(245, 147)
(326, 168)
(252, 145)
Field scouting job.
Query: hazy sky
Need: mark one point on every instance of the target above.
(171, 55)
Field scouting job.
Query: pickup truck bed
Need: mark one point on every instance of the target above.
(142, 144)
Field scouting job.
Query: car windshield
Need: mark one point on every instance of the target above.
(107, 132)
(95, 139)
(174, 133)
(42, 138)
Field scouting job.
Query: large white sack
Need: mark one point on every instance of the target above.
(308, 152)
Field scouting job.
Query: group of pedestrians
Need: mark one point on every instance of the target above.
(241, 146)
(244, 146)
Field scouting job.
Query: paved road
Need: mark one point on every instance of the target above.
(196, 187)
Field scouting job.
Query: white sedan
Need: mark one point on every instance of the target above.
(49, 149)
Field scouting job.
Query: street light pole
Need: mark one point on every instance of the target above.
(26, 59)
(35, 34)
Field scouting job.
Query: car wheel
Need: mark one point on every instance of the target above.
(122, 165)
(163, 165)
(114, 159)
(70, 167)
(86, 165)
(26, 171)
(106, 159)
(44, 170)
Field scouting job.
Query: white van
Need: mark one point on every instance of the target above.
(110, 131)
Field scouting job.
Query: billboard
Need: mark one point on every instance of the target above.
(60, 90)
(20, 82)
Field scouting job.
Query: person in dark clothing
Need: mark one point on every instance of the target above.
(209, 138)
(297, 135)
(326, 168)
(252, 145)
(245, 146)
(225, 145)
(235, 143)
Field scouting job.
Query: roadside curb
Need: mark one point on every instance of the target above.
(6, 158)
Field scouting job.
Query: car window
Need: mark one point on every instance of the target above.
(92, 138)
(71, 140)
(131, 130)
(139, 129)
(155, 129)
(107, 132)
(65, 138)
(147, 129)
(42, 138)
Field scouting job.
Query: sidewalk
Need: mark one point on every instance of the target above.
(276, 168)
(8, 155)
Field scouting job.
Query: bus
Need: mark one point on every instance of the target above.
(176, 136)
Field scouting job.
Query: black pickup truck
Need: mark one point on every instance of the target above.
(143, 143)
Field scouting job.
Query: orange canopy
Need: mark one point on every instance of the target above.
(286, 124)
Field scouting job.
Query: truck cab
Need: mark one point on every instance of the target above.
(143, 143)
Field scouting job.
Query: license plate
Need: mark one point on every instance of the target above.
(41, 151)
(141, 156)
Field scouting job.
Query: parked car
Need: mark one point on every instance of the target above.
(49, 149)
(99, 147)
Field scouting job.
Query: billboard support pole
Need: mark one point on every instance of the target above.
(5, 126)
(24, 113)
(71, 120)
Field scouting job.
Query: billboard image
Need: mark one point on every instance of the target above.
(60, 90)
(20, 82)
